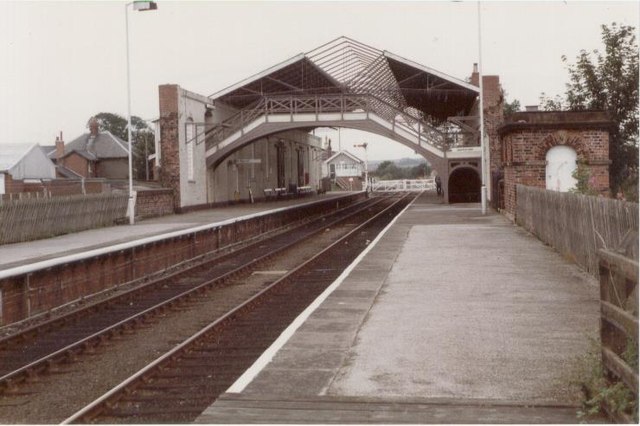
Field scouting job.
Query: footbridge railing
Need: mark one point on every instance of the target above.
(404, 185)
(320, 107)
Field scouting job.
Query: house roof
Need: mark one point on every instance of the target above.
(104, 145)
(11, 154)
(68, 173)
(47, 149)
(343, 152)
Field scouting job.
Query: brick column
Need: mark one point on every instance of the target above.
(169, 140)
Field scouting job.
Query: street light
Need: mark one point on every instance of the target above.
(139, 6)
(483, 189)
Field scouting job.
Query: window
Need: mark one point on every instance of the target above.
(190, 142)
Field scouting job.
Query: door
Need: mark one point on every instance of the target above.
(561, 163)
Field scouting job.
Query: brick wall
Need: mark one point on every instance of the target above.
(526, 138)
(12, 186)
(78, 164)
(112, 168)
(57, 187)
(154, 202)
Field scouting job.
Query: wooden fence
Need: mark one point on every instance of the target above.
(575, 225)
(29, 219)
(619, 326)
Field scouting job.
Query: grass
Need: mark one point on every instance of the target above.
(600, 392)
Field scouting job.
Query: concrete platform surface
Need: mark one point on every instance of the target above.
(17, 254)
(452, 317)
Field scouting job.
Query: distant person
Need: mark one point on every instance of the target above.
(438, 185)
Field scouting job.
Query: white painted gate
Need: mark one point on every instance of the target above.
(404, 185)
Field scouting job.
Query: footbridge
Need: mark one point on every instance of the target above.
(274, 114)
(346, 83)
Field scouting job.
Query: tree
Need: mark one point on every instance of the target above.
(510, 107)
(582, 175)
(142, 138)
(609, 81)
(549, 104)
(388, 170)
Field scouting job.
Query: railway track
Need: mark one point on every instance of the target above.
(179, 385)
(38, 349)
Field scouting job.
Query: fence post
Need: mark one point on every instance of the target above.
(619, 321)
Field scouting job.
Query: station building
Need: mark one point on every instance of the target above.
(253, 139)
(288, 162)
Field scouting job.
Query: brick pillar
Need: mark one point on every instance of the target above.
(493, 118)
(169, 140)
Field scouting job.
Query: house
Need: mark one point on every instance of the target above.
(345, 170)
(23, 163)
(96, 154)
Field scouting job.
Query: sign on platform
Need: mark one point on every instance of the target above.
(249, 161)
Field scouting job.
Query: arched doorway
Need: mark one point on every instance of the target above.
(561, 163)
(464, 186)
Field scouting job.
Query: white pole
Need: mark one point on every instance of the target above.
(131, 202)
(483, 189)
(366, 168)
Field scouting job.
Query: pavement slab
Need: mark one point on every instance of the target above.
(450, 305)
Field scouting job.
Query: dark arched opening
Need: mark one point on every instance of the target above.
(464, 186)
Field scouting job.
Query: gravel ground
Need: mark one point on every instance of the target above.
(55, 397)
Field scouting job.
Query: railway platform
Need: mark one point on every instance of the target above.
(18, 254)
(448, 317)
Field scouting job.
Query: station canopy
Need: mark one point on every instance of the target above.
(345, 65)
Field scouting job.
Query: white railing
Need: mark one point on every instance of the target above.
(404, 185)
(418, 129)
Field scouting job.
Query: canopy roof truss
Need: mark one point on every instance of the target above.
(346, 66)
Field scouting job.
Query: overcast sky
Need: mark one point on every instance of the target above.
(63, 62)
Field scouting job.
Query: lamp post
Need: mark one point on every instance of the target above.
(483, 189)
(139, 6)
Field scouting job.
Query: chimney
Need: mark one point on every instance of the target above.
(93, 127)
(475, 76)
(59, 147)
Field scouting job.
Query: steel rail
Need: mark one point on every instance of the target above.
(111, 396)
(7, 381)
(225, 252)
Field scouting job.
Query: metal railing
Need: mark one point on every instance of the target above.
(404, 185)
(414, 127)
